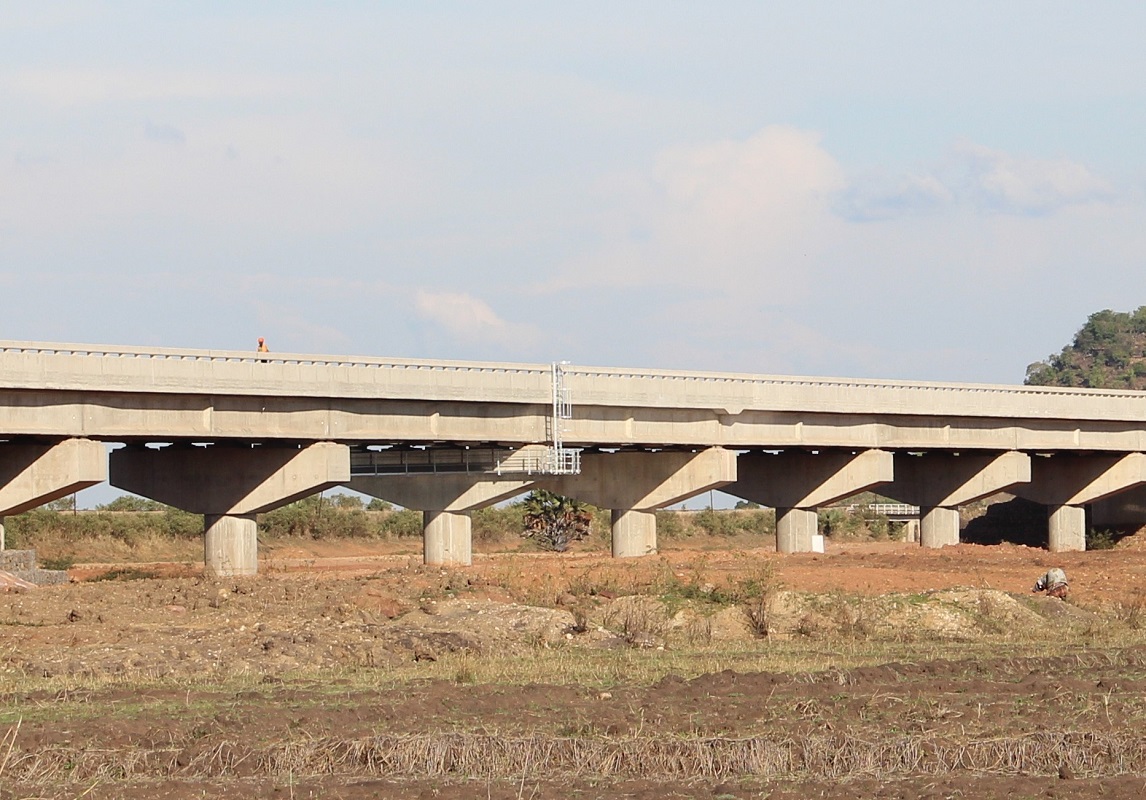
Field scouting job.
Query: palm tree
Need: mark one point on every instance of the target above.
(553, 521)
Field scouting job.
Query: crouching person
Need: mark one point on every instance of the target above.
(1053, 583)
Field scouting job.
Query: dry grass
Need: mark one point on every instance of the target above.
(495, 756)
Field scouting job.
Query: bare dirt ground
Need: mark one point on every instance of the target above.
(874, 670)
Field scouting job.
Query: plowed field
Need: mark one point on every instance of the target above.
(874, 670)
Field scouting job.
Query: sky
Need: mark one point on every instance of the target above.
(920, 191)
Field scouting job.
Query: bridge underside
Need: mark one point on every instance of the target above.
(231, 482)
(233, 434)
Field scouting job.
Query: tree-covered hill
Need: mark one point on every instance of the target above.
(1109, 352)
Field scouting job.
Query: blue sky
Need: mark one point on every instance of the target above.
(935, 191)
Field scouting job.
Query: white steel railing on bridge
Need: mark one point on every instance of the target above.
(886, 509)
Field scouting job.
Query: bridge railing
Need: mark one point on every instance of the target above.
(368, 362)
(886, 509)
(245, 356)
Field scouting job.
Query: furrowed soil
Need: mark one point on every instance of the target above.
(877, 669)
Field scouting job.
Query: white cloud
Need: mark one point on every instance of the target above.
(733, 210)
(976, 177)
(880, 196)
(998, 181)
(467, 317)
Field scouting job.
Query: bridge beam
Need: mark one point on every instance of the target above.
(32, 474)
(634, 484)
(229, 485)
(941, 482)
(797, 483)
(1067, 483)
(446, 501)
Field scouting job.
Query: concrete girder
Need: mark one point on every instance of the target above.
(229, 485)
(941, 482)
(796, 479)
(634, 484)
(1066, 484)
(32, 474)
(797, 483)
(443, 492)
(1077, 480)
(224, 479)
(445, 501)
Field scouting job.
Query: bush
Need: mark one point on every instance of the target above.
(555, 522)
(734, 523)
(495, 524)
(1101, 540)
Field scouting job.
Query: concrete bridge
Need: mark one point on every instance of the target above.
(234, 434)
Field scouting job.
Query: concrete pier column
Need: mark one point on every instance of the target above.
(633, 485)
(34, 474)
(230, 544)
(938, 526)
(1066, 528)
(229, 485)
(1064, 481)
(797, 483)
(634, 533)
(911, 531)
(3, 539)
(445, 501)
(940, 482)
(447, 538)
(795, 528)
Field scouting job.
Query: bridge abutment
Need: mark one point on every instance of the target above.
(229, 485)
(634, 485)
(797, 483)
(445, 501)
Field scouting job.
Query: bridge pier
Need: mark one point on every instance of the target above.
(231, 544)
(632, 485)
(229, 485)
(911, 532)
(634, 533)
(32, 474)
(795, 529)
(1066, 528)
(445, 501)
(1066, 484)
(938, 526)
(797, 483)
(940, 482)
